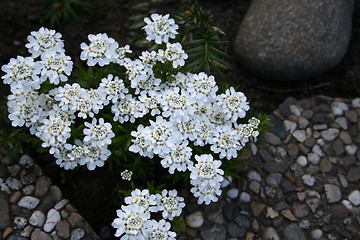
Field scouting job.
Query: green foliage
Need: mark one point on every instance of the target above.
(201, 41)
(58, 12)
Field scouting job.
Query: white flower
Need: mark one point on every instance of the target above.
(113, 87)
(98, 134)
(173, 53)
(233, 104)
(131, 222)
(206, 194)
(141, 142)
(22, 73)
(123, 109)
(101, 50)
(55, 66)
(178, 158)
(95, 156)
(226, 142)
(203, 131)
(206, 171)
(68, 157)
(202, 87)
(68, 96)
(43, 41)
(142, 199)
(170, 204)
(120, 54)
(155, 230)
(254, 122)
(126, 175)
(24, 108)
(160, 28)
(151, 102)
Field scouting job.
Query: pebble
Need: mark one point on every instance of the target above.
(300, 135)
(20, 222)
(308, 180)
(330, 134)
(290, 126)
(342, 122)
(243, 221)
(215, 232)
(235, 230)
(351, 149)
(333, 193)
(354, 197)
(313, 158)
(245, 197)
(63, 229)
(26, 161)
(195, 219)
(233, 193)
(61, 204)
(226, 182)
(270, 233)
(53, 217)
(257, 208)
(4, 214)
(40, 235)
(294, 232)
(316, 233)
(28, 202)
(353, 174)
(37, 219)
(302, 161)
(272, 138)
(253, 176)
(27, 231)
(28, 190)
(325, 165)
(356, 102)
(13, 183)
(42, 186)
(254, 186)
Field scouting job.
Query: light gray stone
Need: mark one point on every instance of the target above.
(195, 219)
(37, 219)
(270, 233)
(13, 183)
(354, 197)
(300, 135)
(233, 193)
(245, 197)
(330, 134)
(77, 233)
(26, 161)
(53, 217)
(333, 193)
(290, 126)
(28, 202)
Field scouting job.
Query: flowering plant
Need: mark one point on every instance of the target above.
(174, 112)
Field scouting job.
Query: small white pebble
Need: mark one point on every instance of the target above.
(351, 149)
(313, 158)
(316, 233)
(245, 197)
(308, 180)
(356, 102)
(253, 176)
(347, 204)
(354, 197)
(302, 161)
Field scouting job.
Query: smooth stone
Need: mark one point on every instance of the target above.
(308, 180)
(77, 233)
(37, 219)
(274, 179)
(4, 214)
(313, 158)
(28, 202)
(195, 219)
(42, 186)
(265, 155)
(226, 182)
(343, 181)
(300, 210)
(76, 220)
(352, 116)
(317, 149)
(28, 179)
(235, 230)
(270, 233)
(272, 138)
(353, 174)
(342, 122)
(272, 167)
(229, 212)
(233, 193)
(313, 203)
(355, 103)
(316, 233)
(325, 165)
(354, 197)
(283, 40)
(339, 211)
(15, 237)
(293, 150)
(15, 197)
(8, 231)
(255, 186)
(56, 193)
(351, 149)
(302, 161)
(290, 126)
(215, 232)
(257, 208)
(296, 110)
(61, 204)
(26, 161)
(303, 123)
(216, 217)
(271, 213)
(53, 217)
(63, 229)
(333, 193)
(243, 221)
(338, 147)
(294, 232)
(14, 170)
(27, 231)
(40, 235)
(245, 197)
(277, 128)
(300, 135)
(330, 134)
(253, 176)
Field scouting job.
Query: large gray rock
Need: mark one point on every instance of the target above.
(294, 39)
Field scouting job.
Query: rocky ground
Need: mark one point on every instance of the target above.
(301, 183)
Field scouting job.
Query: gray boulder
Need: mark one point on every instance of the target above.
(294, 39)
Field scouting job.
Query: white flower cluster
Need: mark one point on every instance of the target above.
(134, 219)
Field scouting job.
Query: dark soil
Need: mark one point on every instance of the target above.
(95, 193)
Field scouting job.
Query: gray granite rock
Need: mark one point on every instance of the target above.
(294, 232)
(291, 40)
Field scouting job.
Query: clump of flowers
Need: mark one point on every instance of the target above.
(183, 112)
